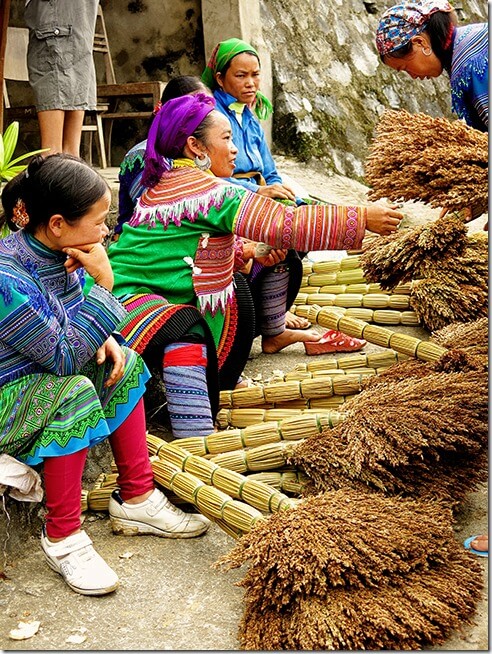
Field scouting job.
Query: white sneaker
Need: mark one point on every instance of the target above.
(154, 516)
(84, 570)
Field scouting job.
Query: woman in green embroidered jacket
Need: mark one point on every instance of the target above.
(180, 240)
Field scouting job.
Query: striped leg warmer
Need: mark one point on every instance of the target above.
(184, 367)
(274, 299)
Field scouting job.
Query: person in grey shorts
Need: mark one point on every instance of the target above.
(61, 68)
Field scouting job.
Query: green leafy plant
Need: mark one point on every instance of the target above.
(9, 167)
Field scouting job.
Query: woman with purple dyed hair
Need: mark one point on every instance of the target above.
(180, 245)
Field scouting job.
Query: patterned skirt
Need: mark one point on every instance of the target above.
(152, 324)
(45, 415)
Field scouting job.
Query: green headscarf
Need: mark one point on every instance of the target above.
(220, 57)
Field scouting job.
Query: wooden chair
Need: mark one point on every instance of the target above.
(113, 93)
(15, 70)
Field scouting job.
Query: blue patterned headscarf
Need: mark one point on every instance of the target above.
(400, 23)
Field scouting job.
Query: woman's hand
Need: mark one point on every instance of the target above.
(277, 190)
(111, 351)
(272, 258)
(248, 249)
(382, 219)
(468, 213)
(94, 258)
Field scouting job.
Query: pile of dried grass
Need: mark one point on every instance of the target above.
(414, 253)
(407, 436)
(416, 157)
(456, 290)
(449, 269)
(352, 570)
(472, 337)
(439, 302)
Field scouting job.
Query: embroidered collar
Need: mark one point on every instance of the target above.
(189, 163)
(42, 252)
(237, 107)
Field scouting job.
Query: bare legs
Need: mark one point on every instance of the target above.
(61, 131)
(273, 344)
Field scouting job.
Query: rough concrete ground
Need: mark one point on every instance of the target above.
(170, 597)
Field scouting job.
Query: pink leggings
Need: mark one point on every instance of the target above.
(63, 474)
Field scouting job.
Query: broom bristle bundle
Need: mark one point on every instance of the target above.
(351, 570)
(396, 450)
(407, 255)
(445, 162)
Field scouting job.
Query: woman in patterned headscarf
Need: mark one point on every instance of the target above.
(422, 38)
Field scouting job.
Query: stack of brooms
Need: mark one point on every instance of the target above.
(441, 268)
(345, 513)
(367, 558)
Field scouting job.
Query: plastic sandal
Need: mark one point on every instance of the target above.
(334, 341)
(468, 546)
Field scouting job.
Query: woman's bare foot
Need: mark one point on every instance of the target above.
(481, 543)
(296, 322)
(273, 344)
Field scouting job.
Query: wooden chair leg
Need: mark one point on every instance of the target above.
(108, 130)
(86, 149)
(100, 142)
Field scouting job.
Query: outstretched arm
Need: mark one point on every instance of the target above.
(311, 227)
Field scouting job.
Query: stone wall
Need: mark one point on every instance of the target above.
(329, 85)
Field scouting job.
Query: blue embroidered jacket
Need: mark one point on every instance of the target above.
(254, 154)
(46, 324)
(469, 75)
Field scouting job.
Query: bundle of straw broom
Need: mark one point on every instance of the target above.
(449, 270)
(406, 436)
(444, 163)
(352, 571)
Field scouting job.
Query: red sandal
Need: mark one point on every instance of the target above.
(334, 341)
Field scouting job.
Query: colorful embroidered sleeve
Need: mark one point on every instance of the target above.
(55, 341)
(303, 228)
(130, 178)
(480, 97)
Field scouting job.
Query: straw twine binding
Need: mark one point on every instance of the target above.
(381, 336)
(213, 489)
(289, 429)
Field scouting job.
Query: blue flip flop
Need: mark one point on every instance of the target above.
(468, 546)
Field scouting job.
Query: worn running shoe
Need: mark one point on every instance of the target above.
(154, 516)
(76, 560)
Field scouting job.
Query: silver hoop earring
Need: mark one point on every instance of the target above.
(203, 163)
(427, 54)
